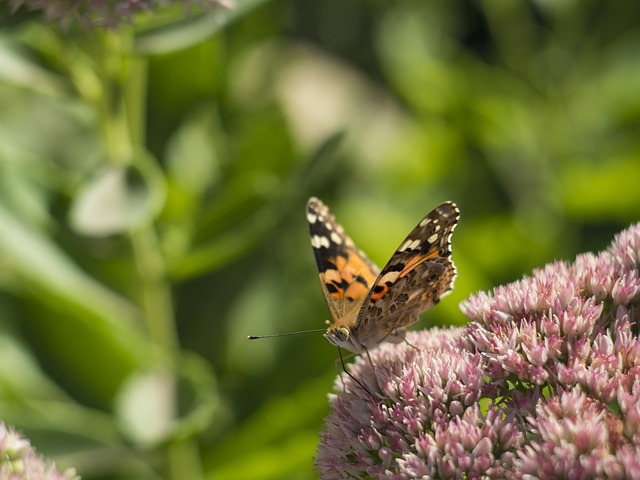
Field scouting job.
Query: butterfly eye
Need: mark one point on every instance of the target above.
(342, 333)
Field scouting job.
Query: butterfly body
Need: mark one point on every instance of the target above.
(369, 306)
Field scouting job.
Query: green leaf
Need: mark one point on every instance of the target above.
(119, 198)
(147, 406)
(278, 440)
(17, 69)
(88, 331)
(156, 403)
(192, 160)
(248, 232)
(278, 461)
(18, 190)
(179, 35)
(30, 256)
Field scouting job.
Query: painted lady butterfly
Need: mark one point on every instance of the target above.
(369, 306)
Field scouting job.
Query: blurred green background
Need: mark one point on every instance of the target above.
(131, 271)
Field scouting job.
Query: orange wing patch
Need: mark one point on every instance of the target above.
(349, 280)
(345, 272)
(413, 262)
(398, 271)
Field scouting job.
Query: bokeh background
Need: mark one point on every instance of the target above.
(130, 277)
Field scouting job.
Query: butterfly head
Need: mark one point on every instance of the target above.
(341, 337)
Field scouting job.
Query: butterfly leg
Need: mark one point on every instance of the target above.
(373, 368)
(411, 344)
(339, 366)
(344, 367)
(396, 336)
(399, 335)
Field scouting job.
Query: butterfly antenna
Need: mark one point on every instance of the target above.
(256, 337)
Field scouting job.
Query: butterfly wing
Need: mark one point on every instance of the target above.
(346, 274)
(419, 273)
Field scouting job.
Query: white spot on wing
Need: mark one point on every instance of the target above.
(409, 245)
(433, 238)
(317, 241)
(311, 217)
(390, 277)
(335, 238)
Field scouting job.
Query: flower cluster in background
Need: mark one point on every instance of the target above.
(109, 13)
(543, 381)
(18, 460)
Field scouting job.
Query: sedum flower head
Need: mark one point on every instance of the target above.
(109, 13)
(543, 382)
(19, 461)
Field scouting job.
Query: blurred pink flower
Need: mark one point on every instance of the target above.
(543, 381)
(110, 13)
(19, 461)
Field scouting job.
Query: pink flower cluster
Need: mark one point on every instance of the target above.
(110, 13)
(19, 461)
(543, 382)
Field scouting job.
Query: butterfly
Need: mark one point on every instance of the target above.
(369, 306)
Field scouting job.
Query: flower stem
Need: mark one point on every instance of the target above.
(157, 302)
(184, 460)
(116, 106)
(120, 100)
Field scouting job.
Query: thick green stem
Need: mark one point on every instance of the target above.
(157, 302)
(119, 95)
(122, 106)
(113, 66)
(184, 460)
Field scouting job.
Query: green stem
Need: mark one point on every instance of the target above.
(157, 301)
(115, 112)
(119, 93)
(122, 106)
(184, 460)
